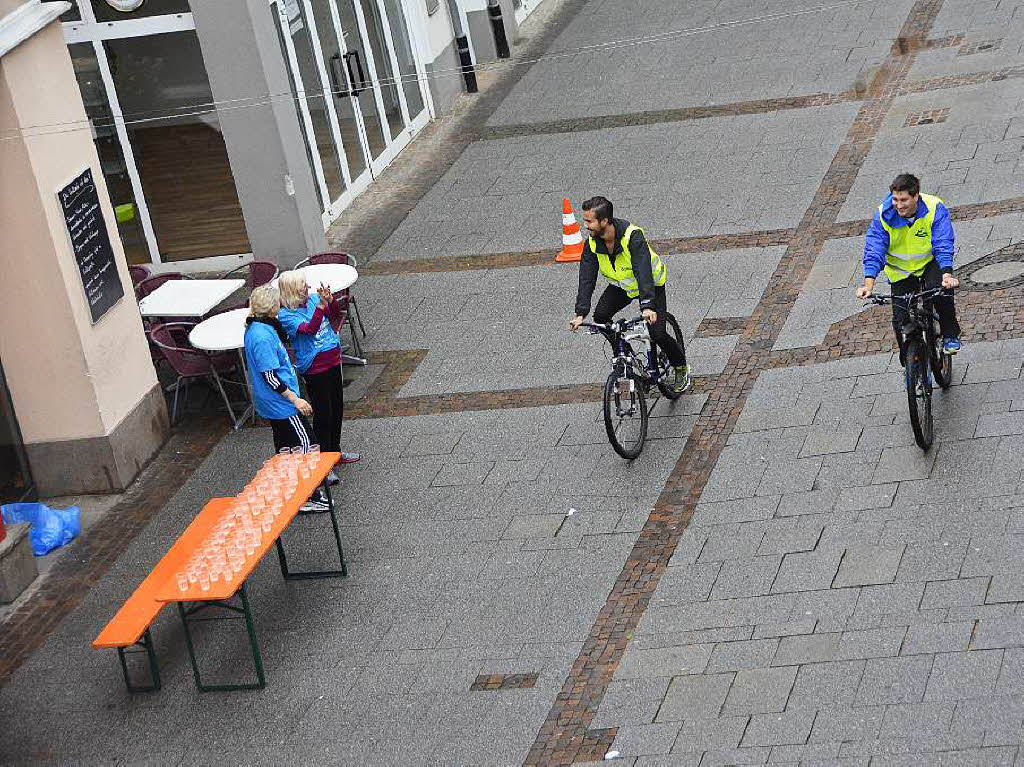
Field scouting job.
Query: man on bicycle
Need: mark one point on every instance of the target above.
(621, 253)
(911, 238)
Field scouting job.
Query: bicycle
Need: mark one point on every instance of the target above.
(923, 349)
(634, 376)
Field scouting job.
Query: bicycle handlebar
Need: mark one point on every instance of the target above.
(619, 326)
(883, 299)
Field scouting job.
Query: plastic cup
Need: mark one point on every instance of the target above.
(204, 580)
(182, 582)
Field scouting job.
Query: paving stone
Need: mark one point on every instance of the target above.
(868, 497)
(822, 440)
(631, 701)
(867, 565)
(894, 680)
(916, 720)
(1005, 587)
(843, 723)
(790, 727)
(735, 656)
(641, 739)
(957, 593)
(964, 674)
(698, 735)
(871, 643)
(941, 637)
(733, 541)
(806, 571)
(932, 561)
(745, 577)
(902, 463)
(810, 648)
(667, 661)
(756, 691)
(825, 684)
(696, 697)
(782, 536)
(994, 633)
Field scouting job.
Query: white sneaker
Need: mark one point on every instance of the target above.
(313, 506)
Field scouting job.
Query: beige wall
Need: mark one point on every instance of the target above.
(69, 379)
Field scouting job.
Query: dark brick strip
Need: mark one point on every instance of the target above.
(961, 80)
(562, 737)
(89, 557)
(382, 401)
(710, 327)
(657, 116)
(488, 682)
(702, 244)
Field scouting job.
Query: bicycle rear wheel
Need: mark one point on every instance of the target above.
(942, 363)
(625, 414)
(919, 394)
(664, 365)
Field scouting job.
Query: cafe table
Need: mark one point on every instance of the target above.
(181, 299)
(226, 332)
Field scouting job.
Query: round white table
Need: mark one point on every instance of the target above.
(335, 276)
(221, 333)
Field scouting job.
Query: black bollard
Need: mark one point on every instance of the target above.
(462, 43)
(498, 27)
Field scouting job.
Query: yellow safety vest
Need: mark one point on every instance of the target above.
(910, 247)
(621, 271)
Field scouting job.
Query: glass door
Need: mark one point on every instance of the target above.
(356, 112)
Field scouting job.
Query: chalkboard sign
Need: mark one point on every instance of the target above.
(91, 244)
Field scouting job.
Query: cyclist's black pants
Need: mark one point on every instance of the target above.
(932, 278)
(614, 300)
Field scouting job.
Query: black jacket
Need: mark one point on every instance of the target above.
(641, 259)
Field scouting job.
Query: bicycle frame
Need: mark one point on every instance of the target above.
(619, 334)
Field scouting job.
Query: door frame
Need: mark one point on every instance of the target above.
(88, 31)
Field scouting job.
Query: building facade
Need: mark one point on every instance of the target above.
(241, 129)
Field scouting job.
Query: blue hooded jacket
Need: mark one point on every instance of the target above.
(876, 244)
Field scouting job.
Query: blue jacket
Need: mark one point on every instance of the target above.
(876, 244)
(307, 345)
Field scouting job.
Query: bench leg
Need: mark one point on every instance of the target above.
(310, 574)
(154, 670)
(186, 613)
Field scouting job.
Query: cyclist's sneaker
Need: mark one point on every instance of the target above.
(333, 479)
(317, 504)
(682, 380)
(349, 457)
(950, 345)
(314, 507)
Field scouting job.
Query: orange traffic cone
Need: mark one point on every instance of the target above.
(572, 240)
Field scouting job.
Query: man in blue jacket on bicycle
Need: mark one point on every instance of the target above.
(911, 240)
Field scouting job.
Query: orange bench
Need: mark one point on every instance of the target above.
(130, 625)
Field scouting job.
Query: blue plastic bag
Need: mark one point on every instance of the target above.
(49, 528)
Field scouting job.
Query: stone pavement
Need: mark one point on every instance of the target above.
(782, 577)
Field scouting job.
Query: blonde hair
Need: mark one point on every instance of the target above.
(293, 288)
(265, 301)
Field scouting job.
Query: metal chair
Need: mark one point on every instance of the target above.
(138, 273)
(257, 273)
(346, 297)
(189, 363)
(148, 285)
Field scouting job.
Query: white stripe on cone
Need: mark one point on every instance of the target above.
(572, 239)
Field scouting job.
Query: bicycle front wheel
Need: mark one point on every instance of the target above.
(919, 394)
(625, 414)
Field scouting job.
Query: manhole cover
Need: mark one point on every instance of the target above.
(1005, 270)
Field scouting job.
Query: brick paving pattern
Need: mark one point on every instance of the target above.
(486, 682)
(927, 117)
(561, 737)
